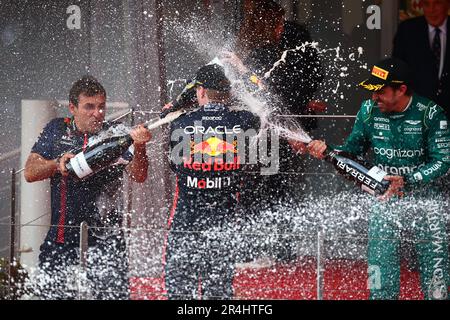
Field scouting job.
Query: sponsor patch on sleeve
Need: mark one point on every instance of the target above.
(433, 111)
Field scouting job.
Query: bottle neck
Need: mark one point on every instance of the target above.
(329, 153)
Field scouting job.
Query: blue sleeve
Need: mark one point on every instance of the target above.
(44, 146)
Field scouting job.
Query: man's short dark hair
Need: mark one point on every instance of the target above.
(87, 85)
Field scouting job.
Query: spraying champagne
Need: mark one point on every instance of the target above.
(184, 100)
(369, 180)
(187, 98)
(102, 152)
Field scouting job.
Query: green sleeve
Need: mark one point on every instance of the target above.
(437, 138)
(357, 143)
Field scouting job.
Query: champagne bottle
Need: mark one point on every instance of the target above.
(187, 97)
(370, 180)
(98, 155)
(107, 146)
(184, 100)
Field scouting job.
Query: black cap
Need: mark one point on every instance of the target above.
(212, 76)
(386, 72)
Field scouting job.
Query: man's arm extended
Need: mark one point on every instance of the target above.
(38, 168)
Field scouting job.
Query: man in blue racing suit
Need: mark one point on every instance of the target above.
(208, 156)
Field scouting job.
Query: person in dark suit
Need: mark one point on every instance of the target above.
(262, 40)
(422, 42)
(424, 49)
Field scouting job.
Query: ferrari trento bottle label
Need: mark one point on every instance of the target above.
(377, 173)
(370, 181)
(359, 177)
(80, 166)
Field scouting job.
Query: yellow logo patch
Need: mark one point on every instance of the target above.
(380, 73)
(371, 87)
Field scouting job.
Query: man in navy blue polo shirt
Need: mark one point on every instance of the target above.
(95, 199)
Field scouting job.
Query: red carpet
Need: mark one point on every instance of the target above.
(343, 280)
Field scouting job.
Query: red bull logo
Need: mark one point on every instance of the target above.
(213, 165)
(214, 147)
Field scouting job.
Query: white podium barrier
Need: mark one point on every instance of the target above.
(35, 208)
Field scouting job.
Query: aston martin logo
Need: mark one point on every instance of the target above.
(413, 122)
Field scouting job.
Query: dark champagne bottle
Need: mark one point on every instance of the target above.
(370, 180)
(187, 98)
(99, 155)
(107, 146)
(184, 100)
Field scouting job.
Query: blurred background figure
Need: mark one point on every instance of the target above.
(422, 42)
(262, 39)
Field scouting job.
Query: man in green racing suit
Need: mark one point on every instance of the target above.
(410, 141)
